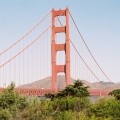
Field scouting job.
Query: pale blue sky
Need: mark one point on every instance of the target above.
(98, 21)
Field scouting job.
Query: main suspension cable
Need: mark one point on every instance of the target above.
(25, 34)
(88, 48)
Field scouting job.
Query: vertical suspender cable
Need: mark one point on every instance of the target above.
(10, 66)
(14, 68)
(23, 61)
(0, 71)
(37, 60)
(41, 58)
(32, 62)
(27, 67)
(3, 76)
(19, 65)
(47, 54)
(5, 67)
(14, 72)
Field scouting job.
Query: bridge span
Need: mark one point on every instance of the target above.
(53, 47)
(42, 92)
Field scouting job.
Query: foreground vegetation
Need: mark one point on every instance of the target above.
(70, 104)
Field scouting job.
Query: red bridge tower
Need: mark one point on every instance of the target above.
(60, 47)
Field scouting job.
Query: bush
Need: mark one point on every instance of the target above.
(106, 108)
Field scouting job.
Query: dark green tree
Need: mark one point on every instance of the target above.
(76, 90)
(105, 108)
(11, 103)
(115, 93)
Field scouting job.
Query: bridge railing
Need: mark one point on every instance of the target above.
(42, 92)
(98, 93)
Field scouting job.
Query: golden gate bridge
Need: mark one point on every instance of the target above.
(52, 48)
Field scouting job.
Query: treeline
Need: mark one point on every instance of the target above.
(72, 103)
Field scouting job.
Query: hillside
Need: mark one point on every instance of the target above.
(46, 83)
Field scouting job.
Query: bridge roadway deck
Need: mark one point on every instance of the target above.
(42, 92)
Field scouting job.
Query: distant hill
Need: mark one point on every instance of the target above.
(46, 83)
